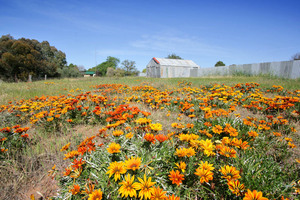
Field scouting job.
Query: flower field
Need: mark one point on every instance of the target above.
(212, 141)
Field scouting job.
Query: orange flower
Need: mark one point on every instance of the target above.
(254, 195)
(173, 197)
(158, 194)
(236, 187)
(204, 174)
(75, 190)
(176, 177)
(217, 129)
(150, 138)
(227, 151)
(66, 147)
(180, 152)
(161, 138)
(133, 163)
(252, 134)
(230, 173)
(117, 133)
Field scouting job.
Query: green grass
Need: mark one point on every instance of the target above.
(25, 90)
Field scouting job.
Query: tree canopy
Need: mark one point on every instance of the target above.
(173, 56)
(129, 67)
(19, 58)
(101, 69)
(219, 64)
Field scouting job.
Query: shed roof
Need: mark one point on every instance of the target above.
(89, 73)
(175, 62)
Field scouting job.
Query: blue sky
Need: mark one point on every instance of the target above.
(234, 31)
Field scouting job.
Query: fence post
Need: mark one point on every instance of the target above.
(45, 76)
(29, 78)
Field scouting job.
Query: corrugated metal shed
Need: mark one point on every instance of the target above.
(171, 68)
(176, 62)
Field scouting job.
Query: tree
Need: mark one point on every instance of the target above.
(144, 70)
(129, 67)
(296, 56)
(173, 56)
(70, 71)
(19, 58)
(101, 69)
(219, 64)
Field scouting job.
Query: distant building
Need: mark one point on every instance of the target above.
(89, 74)
(171, 68)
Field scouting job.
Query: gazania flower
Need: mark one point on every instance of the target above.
(129, 135)
(204, 174)
(71, 154)
(181, 166)
(128, 188)
(117, 133)
(116, 168)
(252, 134)
(217, 129)
(66, 147)
(150, 138)
(75, 190)
(206, 166)
(161, 138)
(173, 197)
(254, 195)
(133, 163)
(145, 187)
(156, 127)
(96, 195)
(176, 177)
(208, 147)
(230, 173)
(180, 152)
(227, 151)
(158, 194)
(190, 152)
(114, 148)
(236, 187)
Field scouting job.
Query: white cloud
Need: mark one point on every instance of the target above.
(166, 42)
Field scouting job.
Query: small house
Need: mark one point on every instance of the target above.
(89, 74)
(171, 68)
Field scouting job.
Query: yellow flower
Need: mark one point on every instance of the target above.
(156, 127)
(114, 148)
(129, 135)
(206, 166)
(145, 187)
(180, 152)
(116, 168)
(181, 166)
(117, 133)
(133, 163)
(128, 188)
(190, 152)
(96, 195)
